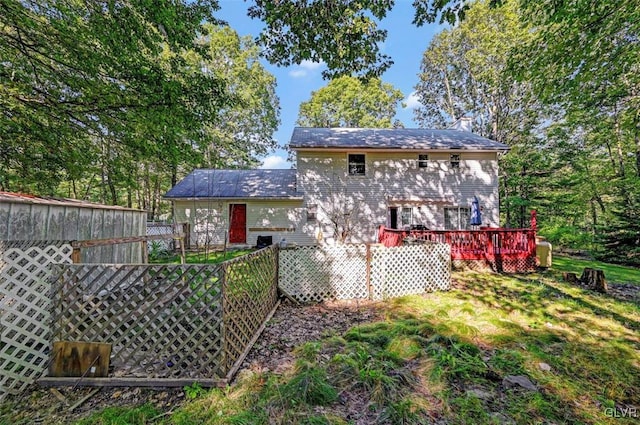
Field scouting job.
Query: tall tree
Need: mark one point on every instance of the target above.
(464, 72)
(351, 102)
(75, 75)
(243, 131)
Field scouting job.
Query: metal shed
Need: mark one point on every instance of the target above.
(31, 218)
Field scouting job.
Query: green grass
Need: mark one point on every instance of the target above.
(213, 257)
(613, 273)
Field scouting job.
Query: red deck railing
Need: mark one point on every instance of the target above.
(485, 244)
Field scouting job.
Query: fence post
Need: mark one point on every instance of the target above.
(277, 249)
(75, 254)
(368, 269)
(145, 252)
(186, 242)
(223, 329)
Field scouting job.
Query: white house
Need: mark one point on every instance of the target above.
(348, 181)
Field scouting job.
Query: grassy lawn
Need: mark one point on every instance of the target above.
(213, 257)
(613, 273)
(443, 357)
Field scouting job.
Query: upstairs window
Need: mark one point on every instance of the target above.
(312, 213)
(454, 160)
(423, 160)
(356, 164)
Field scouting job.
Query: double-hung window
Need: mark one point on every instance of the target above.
(457, 218)
(356, 164)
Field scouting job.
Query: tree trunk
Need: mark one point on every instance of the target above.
(594, 279)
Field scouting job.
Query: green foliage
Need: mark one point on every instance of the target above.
(93, 87)
(309, 385)
(344, 35)
(507, 362)
(194, 390)
(157, 252)
(350, 102)
(112, 103)
(469, 410)
(455, 359)
(405, 412)
(141, 415)
(567, 236)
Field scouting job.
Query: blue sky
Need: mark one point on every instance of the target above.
(405, 44)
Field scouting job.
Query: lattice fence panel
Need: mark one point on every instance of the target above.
(318, 273)
(24, 309)
(250, 293)
(163, 321)
(410, 269)
(154, 229)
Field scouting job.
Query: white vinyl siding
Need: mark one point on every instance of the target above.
(276, 218)
(395, 180)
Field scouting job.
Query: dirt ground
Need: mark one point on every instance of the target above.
(290, 326)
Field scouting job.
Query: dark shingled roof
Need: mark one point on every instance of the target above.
(390, 138)
(236, 184)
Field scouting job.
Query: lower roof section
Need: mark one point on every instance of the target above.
(236, 184)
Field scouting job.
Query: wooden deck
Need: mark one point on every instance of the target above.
(503, 249)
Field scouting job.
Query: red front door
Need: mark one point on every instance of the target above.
(238, 223)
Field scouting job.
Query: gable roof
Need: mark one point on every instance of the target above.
(390, 138)
(207, 183)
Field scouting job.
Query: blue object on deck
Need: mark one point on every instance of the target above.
(476, 215)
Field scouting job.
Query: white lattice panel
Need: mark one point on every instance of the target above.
(318, 273)
(315, 274)
(411, 269)
(24, 309)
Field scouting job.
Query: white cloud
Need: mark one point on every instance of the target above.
(275, 162)
(298, 73)
(305, 68)
(310, 65)
(412, 101)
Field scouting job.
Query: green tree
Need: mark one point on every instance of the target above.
(77, 75)
(243, 131)
(343, 34)
(351, 102)
(464, 72)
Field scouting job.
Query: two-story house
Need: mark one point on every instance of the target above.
(347, 182)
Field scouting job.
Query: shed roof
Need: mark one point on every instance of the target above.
(390, 138)
(274, 184)
(24, 198)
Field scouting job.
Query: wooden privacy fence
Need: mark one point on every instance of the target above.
(169, 325)
(318, 273)
(502, 250)
(24, 309)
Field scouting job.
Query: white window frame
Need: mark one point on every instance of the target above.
(364, 165)
(462, 217)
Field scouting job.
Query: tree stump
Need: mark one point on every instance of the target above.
(594, 279)
(569, 277)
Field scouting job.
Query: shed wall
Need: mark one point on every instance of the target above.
(24, 221)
